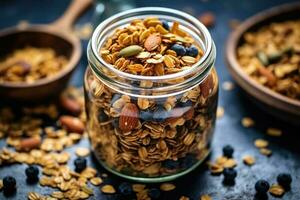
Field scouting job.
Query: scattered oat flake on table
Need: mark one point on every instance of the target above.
(207, 18)
(1, 184)
(215, 169)
(228, 85)
(82, 151)
(184, 198)
(265, 151)
(276, 190)
(205, 197)
(108, 189)
(167, 186)
(234, 23)
(261, 143)
(96, 181)
(275, 132)
(138, 187)
(230, 163)
(247, 122)
(84, 31)
(220, 112)
(249, 160)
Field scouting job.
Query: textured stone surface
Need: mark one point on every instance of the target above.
(286, 150)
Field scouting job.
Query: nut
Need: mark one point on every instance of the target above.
(152, 42)
(30, 143)
(72, 124)
(70, 105)
(128, 117)
(206, 86)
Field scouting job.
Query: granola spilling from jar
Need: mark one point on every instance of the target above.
(151, 47)
(151, 137)
(271, 56)
(31, 64)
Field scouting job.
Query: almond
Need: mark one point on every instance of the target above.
(271, 79)
(189, 114)
(152, 42)
(70, 105)
(72, 124)
(30, 143)
(207, 86)
(128, 117)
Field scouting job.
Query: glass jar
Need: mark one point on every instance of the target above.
(151, 128)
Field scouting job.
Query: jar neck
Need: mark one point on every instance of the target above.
(151, 86)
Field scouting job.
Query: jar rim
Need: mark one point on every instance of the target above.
(203, 61)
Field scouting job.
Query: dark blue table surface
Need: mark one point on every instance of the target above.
(286, 150)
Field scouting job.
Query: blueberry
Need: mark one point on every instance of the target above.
(115, 98)
(171, 164)
(179, 49)
(102, 116)
(9, 184)
(262, 186)
(228, 151)
(80, 164)
(146, 115)
(284, 180)
(229, 176)
(125, 188)
(192, 51)
(160, 114)
(188, 161)
(115, 123)
(154, 193)
(32, 172)
(165, 24)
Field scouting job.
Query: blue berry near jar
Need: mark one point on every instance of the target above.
(171, 164)
(179, 49)
(229, 176)
(9, 184)
(262, 186)
(80, 164)
(125, 189)
(192, 51)
(284, 180)
(165, 24)
(154, 193)
(228, 151)
(32, 173)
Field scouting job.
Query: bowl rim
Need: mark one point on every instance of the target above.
(72, 61)
(258, 91)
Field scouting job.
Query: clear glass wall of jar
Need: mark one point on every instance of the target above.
(151, 128)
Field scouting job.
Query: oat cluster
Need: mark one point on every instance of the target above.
(151, 47)
(271, 56)
(31, 64)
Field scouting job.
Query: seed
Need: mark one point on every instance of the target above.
(82, 151)
(274, 132)
(169, 62)
(276, 190)
(261, 143)
(108, 189)
(167, 187)
(263, 58)
(249, 160)
(130, 51)
(247, 122)
(143, 55)
(96, 181)
(152, 42)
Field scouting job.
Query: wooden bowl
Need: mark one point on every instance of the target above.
(282, 107)
(57, 36)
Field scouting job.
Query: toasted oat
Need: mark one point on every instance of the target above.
(167, 187)
(247, 122)
(230, 163)
(276, 190)
(215, 168)
(96, 181)
(220, 112)
(82, 151)
(261, 143)
(1, 184)
(138, 187)
(108, 189)
(249, 160)
(184, 198)
(228, 85)
(265, 151)
(205, 197)
(274, 132)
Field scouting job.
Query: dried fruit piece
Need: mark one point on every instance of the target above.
(131, 50)
(72, 124)
(108, 189)
(167, 187)
(128, 117)
(152, 42)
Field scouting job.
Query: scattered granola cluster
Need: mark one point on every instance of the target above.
(271, 56)
(30, 64)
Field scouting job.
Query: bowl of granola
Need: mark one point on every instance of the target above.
(263, 56)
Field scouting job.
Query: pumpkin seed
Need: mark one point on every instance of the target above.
(131, 50)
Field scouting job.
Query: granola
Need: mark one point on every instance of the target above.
(150, 137)
(31, 64)
(271, 56)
